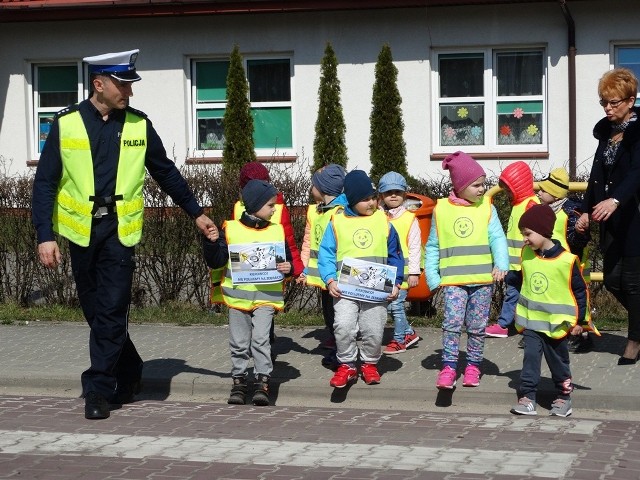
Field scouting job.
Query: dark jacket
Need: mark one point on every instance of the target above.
(578, 285)
(622, 182)
(216, 254)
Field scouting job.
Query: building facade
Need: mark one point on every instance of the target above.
(500, 80)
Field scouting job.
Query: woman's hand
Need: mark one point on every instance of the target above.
(603, 210)
(582, 224)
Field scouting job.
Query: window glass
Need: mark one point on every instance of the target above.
(269, 94)
(57, 86)
(519, 73)
(519, 123)
(462, 124)
(461, 75)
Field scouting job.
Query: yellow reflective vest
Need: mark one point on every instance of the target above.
(463, 235)
(402, 224)
(317, 225)
(514, 237)
(72, 215)
(361, 237)
(546, 302)
(251, 296)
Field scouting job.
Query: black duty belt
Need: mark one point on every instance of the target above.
(103, 205)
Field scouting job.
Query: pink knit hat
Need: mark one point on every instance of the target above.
(463, 169)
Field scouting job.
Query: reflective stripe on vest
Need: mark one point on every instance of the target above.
(72, 212)
(251, 296)
(238, 208)
(317, 226)
(514, 237)
(361, 237)
(402, 224)
(463, 234)
(546, 303)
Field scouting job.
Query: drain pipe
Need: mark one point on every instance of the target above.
(571, 30)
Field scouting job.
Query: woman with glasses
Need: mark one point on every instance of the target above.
(613, 197)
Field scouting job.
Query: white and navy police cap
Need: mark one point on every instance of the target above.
(119, 65)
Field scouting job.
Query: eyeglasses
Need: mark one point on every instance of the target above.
(612, 103)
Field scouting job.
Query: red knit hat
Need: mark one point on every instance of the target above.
(253, 171)
(539, 218)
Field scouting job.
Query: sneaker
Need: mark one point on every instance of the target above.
(370, 373)
(524, 407)
(496, 331)
(446, 378)
(344, 374)
(330, 360)
(561, 408)
(411, 339)
(394, 348)
(471, 376)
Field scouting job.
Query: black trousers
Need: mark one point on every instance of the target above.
(622, 279)
(556, 353)
(103, 273)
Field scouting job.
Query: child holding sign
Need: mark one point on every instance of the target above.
(256, 259)
(360, 260)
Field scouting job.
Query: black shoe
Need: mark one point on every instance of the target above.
(585, 345)
(127, 392)
(628, 361)
(238, 395)
(521, 343)
(96, 406)
(261, 393)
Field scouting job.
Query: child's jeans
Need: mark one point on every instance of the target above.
(399, 315)
(469, 306)
(353, 316)
(511, 296)
(249, 337)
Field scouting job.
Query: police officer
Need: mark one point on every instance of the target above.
(88, 189)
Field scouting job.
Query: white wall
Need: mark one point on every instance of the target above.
(165, 44)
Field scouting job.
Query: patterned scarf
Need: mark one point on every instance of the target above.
(612, 146)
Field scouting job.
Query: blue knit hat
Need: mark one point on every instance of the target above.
(256, 194)
(357, 186)
(329, 179)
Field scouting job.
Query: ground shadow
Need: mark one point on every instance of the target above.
(158, 373)
(282, 373)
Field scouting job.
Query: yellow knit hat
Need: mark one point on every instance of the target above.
(556, 184)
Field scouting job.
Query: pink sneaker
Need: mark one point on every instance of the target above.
(471, 376)
(446, 378)
(496, 331)
(394, 347)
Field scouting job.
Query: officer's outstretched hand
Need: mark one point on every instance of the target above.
(49, 254)
(207, 227)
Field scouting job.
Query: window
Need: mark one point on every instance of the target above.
(491, 100)
(54, 88)
(628, 56)
(270, 96)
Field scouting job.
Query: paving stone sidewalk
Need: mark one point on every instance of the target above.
(193, 362)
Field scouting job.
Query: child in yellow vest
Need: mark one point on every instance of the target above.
(517, 181)
(552, 304)
(359, 233)
(327, 184)
(553, 191)
(466, 253)
(252, 286)
(393, 192)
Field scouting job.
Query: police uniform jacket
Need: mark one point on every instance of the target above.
(104, 137)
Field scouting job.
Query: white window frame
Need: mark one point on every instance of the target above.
(35, 110)
(490, 100)
(615, 52)
(275, 151)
